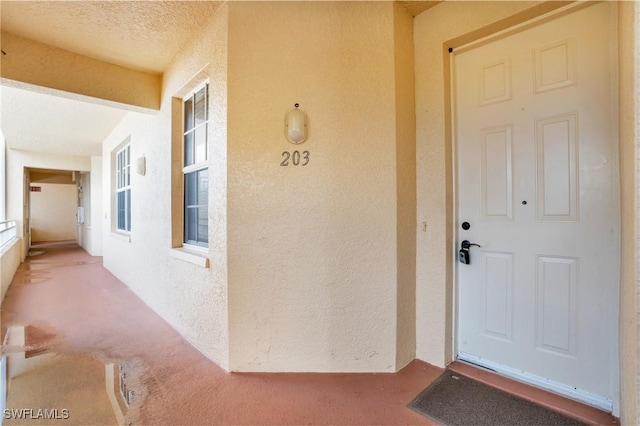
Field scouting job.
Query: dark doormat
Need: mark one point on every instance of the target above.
(454, 399)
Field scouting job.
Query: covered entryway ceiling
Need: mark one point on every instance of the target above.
(142, 36)
(41, 122)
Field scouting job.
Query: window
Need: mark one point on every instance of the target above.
(195, 167)
(123, 189)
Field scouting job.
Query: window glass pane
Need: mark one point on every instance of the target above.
(190, 189)
(203, 227)
(118, 171)
(203, 187)
(127, 161)
(128, 209)
(190, 224)
(123, 192)
(201, 143)
(188, 149)
(121, 210)
(200, 106)
(188, 114)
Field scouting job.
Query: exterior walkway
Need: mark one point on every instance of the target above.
(85, 348)
(74, 325)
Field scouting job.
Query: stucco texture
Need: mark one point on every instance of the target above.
(313, 259)
(191, 298)
(40, 64)
(317, 260)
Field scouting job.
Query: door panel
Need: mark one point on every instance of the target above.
(536, 179)
(497, 191)
(498, 287)
(557, 302)
(557, 159)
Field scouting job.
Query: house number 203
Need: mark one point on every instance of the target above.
(296, 158)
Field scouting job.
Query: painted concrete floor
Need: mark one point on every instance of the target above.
(83, 349)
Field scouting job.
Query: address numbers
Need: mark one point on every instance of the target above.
(295, 158)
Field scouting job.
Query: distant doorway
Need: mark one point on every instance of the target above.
(53, 206)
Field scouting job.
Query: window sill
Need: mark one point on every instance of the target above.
(190, 255)
(121, 236)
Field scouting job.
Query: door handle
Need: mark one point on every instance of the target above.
(463, 254)
(466, 244)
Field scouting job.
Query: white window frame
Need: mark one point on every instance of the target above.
(123, 185)
(191, 166)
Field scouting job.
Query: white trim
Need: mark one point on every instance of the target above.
(190, 256)
(585, 397)
(122, 236)
(533, 22)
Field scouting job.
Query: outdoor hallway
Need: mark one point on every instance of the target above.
(81, 324)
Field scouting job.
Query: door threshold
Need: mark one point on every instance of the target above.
(560, 388)
(552, 401)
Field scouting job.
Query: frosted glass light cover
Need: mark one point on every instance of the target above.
(296, 126)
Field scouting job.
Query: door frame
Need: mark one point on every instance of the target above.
(26, 208)
(470, 41)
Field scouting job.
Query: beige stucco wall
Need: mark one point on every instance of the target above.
(629, 92)
(42, 65)
(313, 259)
(191, 298)
(53, 213)
(17, 161)
(324, 250)
(405, 124)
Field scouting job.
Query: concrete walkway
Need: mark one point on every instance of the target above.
(80, 341)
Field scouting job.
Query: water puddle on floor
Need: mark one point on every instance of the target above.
(36, 272)
(42, 386)
(43, 265)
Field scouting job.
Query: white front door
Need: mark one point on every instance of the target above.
(537, 184)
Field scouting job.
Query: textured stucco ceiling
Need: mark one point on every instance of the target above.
(143, 35)
(417, 7)
(41, 122)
